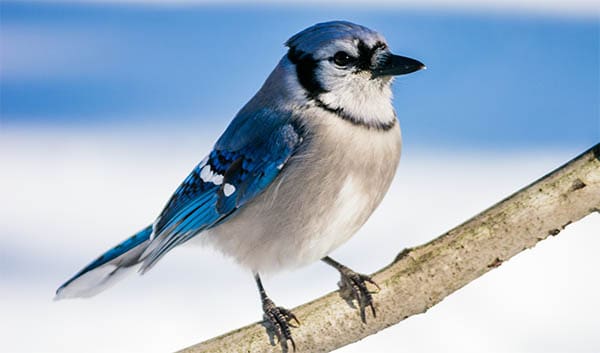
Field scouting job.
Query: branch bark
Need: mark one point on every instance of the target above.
(421, 277)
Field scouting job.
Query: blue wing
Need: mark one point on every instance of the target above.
(245, 160)
(106, 269)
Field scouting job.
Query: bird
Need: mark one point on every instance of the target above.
(300, 168)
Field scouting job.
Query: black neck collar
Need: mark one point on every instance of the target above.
(351, 118)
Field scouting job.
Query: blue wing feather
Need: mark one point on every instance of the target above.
(245, 160)
(112, 254)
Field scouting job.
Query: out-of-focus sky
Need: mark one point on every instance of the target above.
(494, 79)
(105, 107)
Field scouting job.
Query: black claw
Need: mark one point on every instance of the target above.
(356, 284)
(279, 318)
(289, 316)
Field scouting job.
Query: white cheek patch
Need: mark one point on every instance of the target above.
(228, 189)
(207, 175)
(359, 96)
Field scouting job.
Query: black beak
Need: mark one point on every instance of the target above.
(397, 65)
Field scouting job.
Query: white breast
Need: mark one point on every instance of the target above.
(323, 196)
(347, 214)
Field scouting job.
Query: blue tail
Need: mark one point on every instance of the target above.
(107, 269)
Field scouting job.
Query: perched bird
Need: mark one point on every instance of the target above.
(297, 172)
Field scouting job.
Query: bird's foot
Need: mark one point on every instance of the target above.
(353, 286)
(280, 320)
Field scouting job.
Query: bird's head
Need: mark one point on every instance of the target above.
(347, 69)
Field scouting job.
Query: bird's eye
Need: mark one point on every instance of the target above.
(342, 58)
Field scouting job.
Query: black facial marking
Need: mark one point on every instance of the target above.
(305, 69)
(365, 54)
(379, 45)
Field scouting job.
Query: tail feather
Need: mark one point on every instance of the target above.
(106, 269)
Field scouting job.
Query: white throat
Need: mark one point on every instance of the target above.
(360, 99)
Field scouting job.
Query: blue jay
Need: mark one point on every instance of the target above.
(297, 172)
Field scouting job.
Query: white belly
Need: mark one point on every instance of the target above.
(347, 214)
(322, 197)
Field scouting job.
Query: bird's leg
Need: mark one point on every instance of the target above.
(279, 318)
(354, 285)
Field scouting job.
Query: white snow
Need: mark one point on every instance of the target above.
(70, 195)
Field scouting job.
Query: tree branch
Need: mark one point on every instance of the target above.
(421, 277)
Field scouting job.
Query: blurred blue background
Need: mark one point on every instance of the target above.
(493, 80)
(105, 108)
